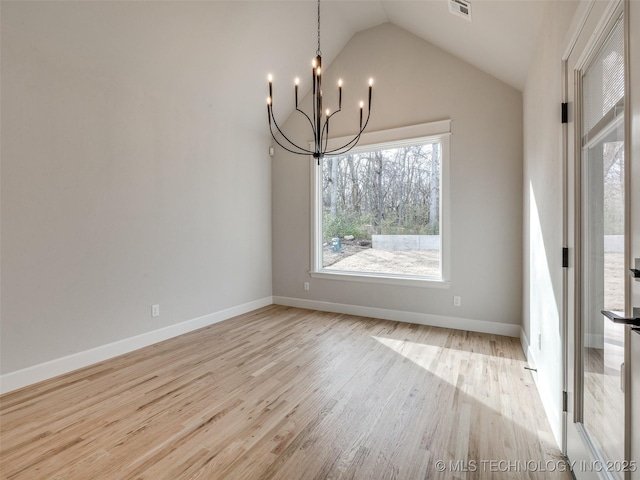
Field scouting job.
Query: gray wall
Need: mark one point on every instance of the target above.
(542, 209)
(542, 289)
(416, 82)
(128, 175)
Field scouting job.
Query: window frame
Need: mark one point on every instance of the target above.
(387, 139)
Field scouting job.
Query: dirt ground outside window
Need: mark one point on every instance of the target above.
(356, 258)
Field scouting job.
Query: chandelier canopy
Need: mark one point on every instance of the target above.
(319, 119)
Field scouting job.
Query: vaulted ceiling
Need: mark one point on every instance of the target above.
(500, 38)
(218, 53)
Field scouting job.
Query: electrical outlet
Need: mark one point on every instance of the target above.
(306, 286)
(155, 310)
(457, 300)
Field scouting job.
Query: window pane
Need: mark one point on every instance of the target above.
(381, 211)
(604, 272)
(603, 206)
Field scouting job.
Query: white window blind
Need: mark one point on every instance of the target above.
(603, 84)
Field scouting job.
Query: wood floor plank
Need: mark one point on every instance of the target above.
(286, 393)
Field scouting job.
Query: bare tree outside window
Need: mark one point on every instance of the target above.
(381, 211)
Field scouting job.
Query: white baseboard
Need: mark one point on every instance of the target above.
(550, 406)
(37, 373)
(30, 375)
(526, 348)
(508, 330)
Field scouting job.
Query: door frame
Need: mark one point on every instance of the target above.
(585, 34)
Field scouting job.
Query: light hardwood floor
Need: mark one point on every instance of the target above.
(284, 393)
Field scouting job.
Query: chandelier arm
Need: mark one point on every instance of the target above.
(306, 152)
(348, 146)
(341, 150)
(303, 113)
(324, 135)
(325, 129)
(285, 137)
(354, 141)
(341, 153)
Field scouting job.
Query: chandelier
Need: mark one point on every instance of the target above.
(319, 119)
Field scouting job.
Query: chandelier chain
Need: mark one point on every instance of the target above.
(318, 52)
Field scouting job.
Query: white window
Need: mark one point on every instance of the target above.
(381, 210)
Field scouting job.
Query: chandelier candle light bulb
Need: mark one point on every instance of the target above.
(319, 124)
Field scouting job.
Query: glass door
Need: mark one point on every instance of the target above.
(603, 289)
(602, 247)
(595, 233)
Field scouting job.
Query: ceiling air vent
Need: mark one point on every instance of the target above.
(461, 8)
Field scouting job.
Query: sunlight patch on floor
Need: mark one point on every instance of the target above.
(429, 357)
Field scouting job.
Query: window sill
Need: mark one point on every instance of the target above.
(384, 279)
